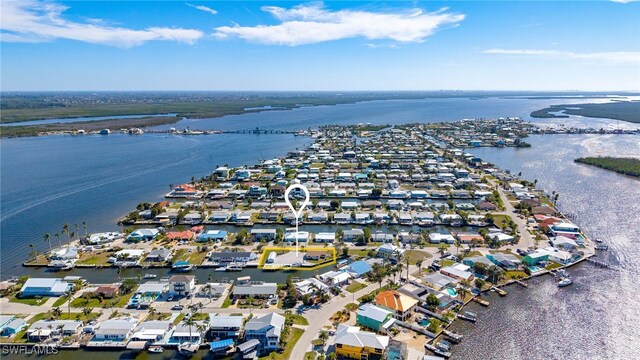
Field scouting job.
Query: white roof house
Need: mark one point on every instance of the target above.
(45, 287)
(353, 336)
(458, 271)
(309, 286)
(115, 329)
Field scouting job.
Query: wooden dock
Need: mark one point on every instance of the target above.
(482, 302)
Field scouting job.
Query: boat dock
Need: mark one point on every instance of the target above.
(452, 336)
(435, 350)
(481, 301)
(598, 263)
(500, 291)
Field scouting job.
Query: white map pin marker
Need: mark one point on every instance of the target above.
(293, 210)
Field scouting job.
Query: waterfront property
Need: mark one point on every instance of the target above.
(226, 326)
(266, 329)
(352, 343)
(45, 287)
(10, 325)
(45, 329)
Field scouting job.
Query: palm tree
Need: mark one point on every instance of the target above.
(60, 329)
(84, 225)
(419, 265)
(47, 239)
(323, 336)
(462, 292)
(457, 244)
(86, 312)
(56, 312)
(68, 295)
(65, 230)
(57, 235)
(188, 321)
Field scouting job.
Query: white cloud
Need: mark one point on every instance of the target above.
(203, 8)
(611, 56)
(624, 1)
(312, 23)
(34, 21)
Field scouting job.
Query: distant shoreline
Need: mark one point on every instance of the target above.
(628, 111)
(624, 166)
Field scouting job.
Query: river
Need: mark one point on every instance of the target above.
(598, 317)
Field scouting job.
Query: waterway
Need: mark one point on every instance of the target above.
(598, 317)
(82, 119)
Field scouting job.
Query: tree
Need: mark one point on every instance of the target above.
(419, 265)
(442, 249)
(128, 285)
(47, 239)
(432, 302)
(334, 204)
(56, 312)
(323, 336)
(458, 245)
(188, 321)
(86, 311)
(479, 283)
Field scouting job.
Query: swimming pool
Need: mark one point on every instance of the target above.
(452, 292)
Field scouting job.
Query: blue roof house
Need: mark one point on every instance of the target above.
(10, 325)
(359, 268)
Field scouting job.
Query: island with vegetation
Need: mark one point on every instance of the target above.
(618, 110)
(626, 166)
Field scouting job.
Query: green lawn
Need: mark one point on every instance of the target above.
(158, 316)
(553, 265)
(62, 300)
(65, 316)
(28, 301)
(515, 274)
(178, 319)
(355, 286)
(497, 220)
(299, 319)
(416, 255)
(359, 252)
(351, 306)
(227, 302)
(82, 302)
(95, 258)
(286, 353)
(200, 316)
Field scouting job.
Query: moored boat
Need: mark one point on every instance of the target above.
(150, 276)
(565, 281)
(155, 349)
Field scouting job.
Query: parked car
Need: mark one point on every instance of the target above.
(177, 307)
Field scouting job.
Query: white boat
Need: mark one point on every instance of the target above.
(565, 281)
(155, 349)
(150, 276)
(220, 269)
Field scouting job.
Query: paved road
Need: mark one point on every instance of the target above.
(319, 317)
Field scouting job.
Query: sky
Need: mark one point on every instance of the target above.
(330, 45)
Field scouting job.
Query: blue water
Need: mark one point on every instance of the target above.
(82, 119)
(53, 180)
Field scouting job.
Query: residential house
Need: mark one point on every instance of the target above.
(9, 325)
(390, 251)
(401, 305)
(115, 330)
(374, 317)
(310, 286)
(233, 256)
(225, 326)
(213, 235)
(151, 331)
(185, 333)
(45, 329)
(439, 281)
(159, 255)
(325, 237)
(352, 343)
(358, 269)
(45, 287)
(266, 329)
(256, 289)
(107, 291)
(182, 285)
(143, 235)
(263, 234)
(458, 271)
(507, 261)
